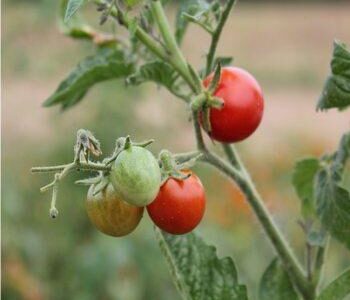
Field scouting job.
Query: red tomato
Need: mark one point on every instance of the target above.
(243, 106)
(179, 205)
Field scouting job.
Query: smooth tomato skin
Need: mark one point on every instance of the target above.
(136, 176)
(243, 106)
(111, 214)
(179, 205)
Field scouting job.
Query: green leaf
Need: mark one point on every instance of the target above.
(160, 73)
(72, 8)
(337, 289)
(198, 273)
(336, 91)
(106, 64)
(332, 199)
(303, 181)
(275, 284)
(190, 8)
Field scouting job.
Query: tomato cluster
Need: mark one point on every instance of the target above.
(177, 206)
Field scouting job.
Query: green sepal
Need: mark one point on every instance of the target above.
(101, 185)
(216, 79)
(88, 181)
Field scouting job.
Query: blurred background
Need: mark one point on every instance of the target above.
(287, 45)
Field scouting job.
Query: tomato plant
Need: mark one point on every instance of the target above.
(110, 213)
(179, 205)
(228, 105)
(243, 105)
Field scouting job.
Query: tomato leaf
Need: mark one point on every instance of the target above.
(303, 181)
(275, 284)
(72, 7)
(161, 73)
(336, 91)
(107, 63)
(338, 289)
(332, 199)
(197, 271)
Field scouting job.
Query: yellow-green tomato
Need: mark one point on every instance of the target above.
(136, 176)
(111, 214)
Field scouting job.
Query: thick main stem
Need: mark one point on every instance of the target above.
(176, 57)
(282, 248)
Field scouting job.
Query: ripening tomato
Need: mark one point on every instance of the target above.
(179, 206)
(111, 214)
(243, 106)
(136, 176)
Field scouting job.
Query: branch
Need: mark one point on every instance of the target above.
(319, 263)
(286, 255)
(90, 166)
(198, 131)
(216, 35)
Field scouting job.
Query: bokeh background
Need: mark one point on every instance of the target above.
(286, 45)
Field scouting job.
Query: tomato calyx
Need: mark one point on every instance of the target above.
(206, 100)
(170, 168)
(99, 182)
(124, 143)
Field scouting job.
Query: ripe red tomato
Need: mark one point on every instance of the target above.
(179, 205)
(243, 105)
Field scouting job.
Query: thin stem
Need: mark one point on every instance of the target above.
(216, 35)
(178, 63)
(182, 157)
(90, 166)
(319, 262)
(308, 258)
(199, 23)
(247, 186)
(198, 131)
(232, 155)
(143, 36)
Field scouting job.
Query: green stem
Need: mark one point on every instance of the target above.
(319, 263)
(282, 248)
(145, 38)
(198, 132)
(183, 157)
(216, 35)
(90, 166)
(176, 57)
(232, 155)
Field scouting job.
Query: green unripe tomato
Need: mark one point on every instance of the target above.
(136, 176)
